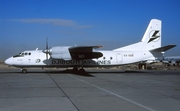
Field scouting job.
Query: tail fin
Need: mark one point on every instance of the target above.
(151, 39)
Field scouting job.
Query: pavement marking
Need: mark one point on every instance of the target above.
(119, 96)
(63, 92)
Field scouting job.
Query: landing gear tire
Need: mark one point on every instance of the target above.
(81, 71)
(75, 70)
(24, 71)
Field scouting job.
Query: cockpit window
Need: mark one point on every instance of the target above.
(22, 54)
(19, 55)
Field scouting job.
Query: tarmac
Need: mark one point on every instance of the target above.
(96, 90)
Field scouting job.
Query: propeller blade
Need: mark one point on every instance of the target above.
(46, 55)
(47, 48)
(46, 43)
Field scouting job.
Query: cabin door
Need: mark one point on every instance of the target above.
(119, 58)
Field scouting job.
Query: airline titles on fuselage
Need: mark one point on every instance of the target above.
(84, 62)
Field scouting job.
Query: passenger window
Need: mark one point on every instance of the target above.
(26, 53)
(111, 58)
(104, 57)
(29, 53)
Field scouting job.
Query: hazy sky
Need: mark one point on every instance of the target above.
(25, 24)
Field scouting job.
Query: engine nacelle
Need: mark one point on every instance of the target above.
(60, 52)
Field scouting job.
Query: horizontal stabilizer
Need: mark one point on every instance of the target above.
(163, 49)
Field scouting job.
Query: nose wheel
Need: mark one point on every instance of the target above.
(23, 71)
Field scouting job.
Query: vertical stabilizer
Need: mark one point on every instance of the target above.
(152, 37)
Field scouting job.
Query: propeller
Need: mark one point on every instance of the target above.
(47, 50)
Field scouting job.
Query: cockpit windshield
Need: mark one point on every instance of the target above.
(22, 54)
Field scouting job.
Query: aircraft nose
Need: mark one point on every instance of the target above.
(8, 61)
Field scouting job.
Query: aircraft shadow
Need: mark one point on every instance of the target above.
(87, 73)
(114, 72)
(92, 73)
(69, 71)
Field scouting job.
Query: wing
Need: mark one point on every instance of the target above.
(165, 48)
(84, 52)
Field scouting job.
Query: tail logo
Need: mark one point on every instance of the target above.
(154, 35)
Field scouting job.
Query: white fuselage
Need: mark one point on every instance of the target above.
(37, 58)
(148, 49)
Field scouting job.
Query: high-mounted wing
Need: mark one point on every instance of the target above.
(84, 52)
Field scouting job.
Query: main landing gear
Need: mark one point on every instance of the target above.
(24, 71)
(81, 70)
(78, 71)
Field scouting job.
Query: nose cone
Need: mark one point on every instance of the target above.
(8, 61)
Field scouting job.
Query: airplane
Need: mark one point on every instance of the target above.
(78, 57)
(171, 60)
